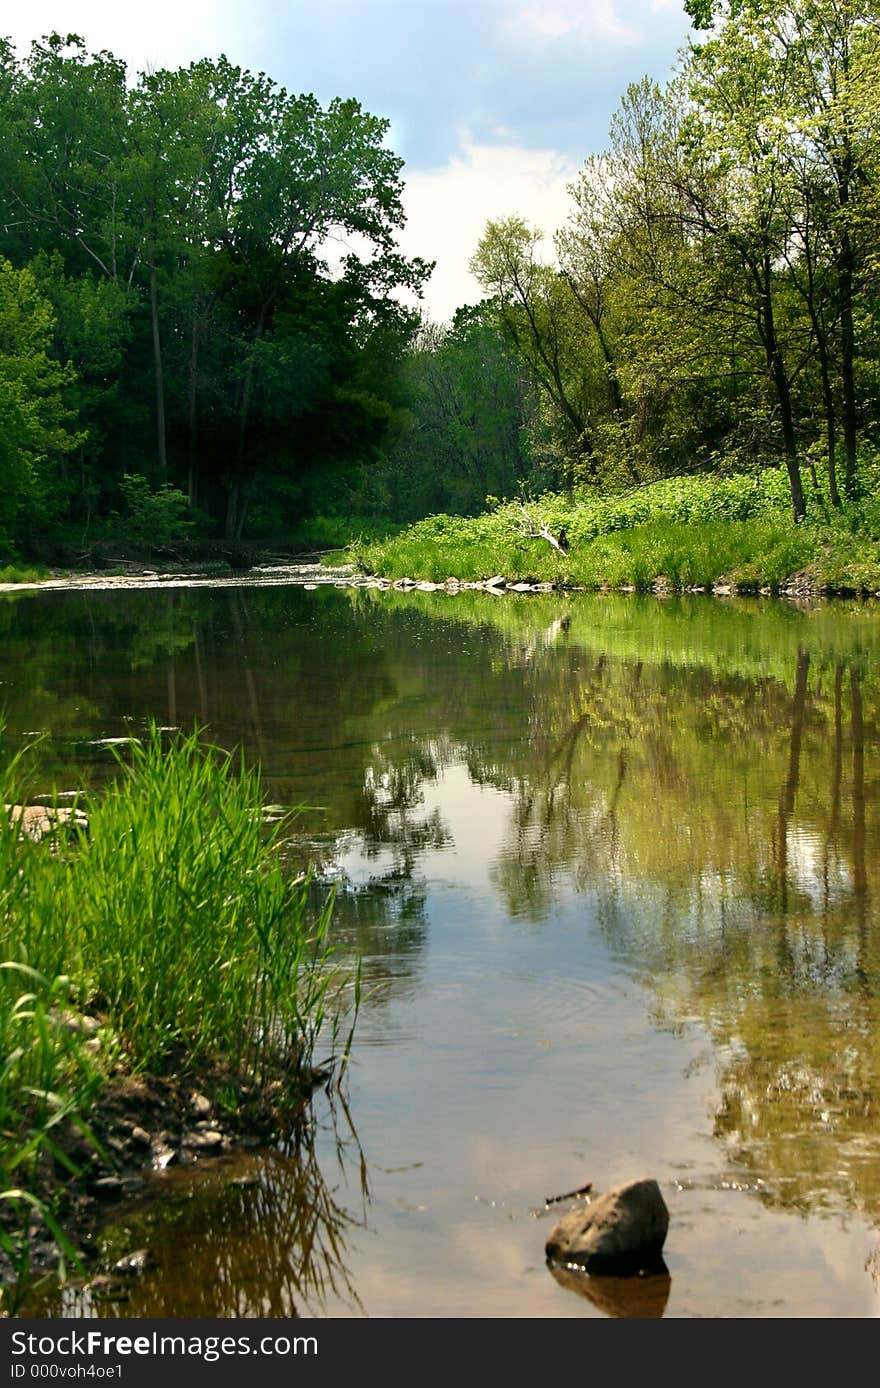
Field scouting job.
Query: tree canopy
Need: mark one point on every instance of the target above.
(185, 229)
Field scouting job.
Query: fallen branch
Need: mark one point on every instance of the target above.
(569, 1194)
(534, 530)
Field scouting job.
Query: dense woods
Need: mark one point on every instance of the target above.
(202, 320)
(170, 309)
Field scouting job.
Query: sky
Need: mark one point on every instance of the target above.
(494, 104)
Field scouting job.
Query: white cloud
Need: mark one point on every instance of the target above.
(164, 33)
(583, 20)
(447, 210)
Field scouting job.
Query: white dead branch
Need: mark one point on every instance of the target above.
(531, 529)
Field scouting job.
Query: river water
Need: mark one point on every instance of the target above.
(610, 865)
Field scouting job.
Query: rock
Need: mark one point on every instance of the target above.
(199, 1104)
(133, 1263)
(38, 821)
(140, 1137)
(618, 1233)
(207, 1141)
(499, 581)
(80, 1023)
(107, 1188)
(103, 1284)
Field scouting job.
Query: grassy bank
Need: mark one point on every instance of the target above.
(680, 533)
(163, 939)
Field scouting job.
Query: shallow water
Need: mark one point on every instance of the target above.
(610, 865)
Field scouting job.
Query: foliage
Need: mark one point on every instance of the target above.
(182, 225)
(337, 532)
(34, 423)
(464, 430)
(685, 532)
(714, 289)
(19, 573)
(173, 918)
(709, 306)
(153, 520)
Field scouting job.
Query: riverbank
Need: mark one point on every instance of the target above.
(163, 985)
(731, 535)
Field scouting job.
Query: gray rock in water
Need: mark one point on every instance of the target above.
(620, 1232)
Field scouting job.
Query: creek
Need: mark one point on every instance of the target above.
(610, 866)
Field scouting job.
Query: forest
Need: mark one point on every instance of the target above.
(207, 330)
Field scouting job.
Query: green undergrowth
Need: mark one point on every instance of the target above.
(21, 573)
(335, 532)
(170, 926)
(682, 532)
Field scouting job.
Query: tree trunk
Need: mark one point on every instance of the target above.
(779, 376)
(157, 369)
(236, 512)
(232, 500)
(847, 360)
(192, 478)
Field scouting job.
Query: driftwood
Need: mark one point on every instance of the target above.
(569, 1194)
(527, 526)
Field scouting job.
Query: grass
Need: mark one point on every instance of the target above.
(172, 922)
(687, 532)
(21, 573)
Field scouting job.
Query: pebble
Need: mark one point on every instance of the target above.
(133, 1263)
(205, 1141)
(107, 1188)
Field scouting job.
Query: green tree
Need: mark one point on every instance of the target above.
(469, 406)
(35, 433)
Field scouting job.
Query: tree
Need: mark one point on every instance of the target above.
(541, 317)
(818, 61)
(468, 406)
(35, 433)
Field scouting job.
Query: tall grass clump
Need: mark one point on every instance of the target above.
(166, 938)
(48, 1077)
(189, 930)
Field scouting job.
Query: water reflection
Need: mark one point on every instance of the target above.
(703, 776)
(627, 1298)
(259, 1236)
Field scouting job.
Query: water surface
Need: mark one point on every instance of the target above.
(610, 866)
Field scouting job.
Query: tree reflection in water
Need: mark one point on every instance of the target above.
(261, 1235)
